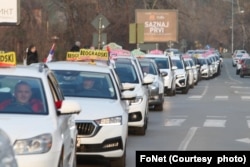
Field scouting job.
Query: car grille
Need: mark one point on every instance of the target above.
(86, 128)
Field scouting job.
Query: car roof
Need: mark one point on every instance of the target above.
(22, 70)
(78, 66)
(156, 55)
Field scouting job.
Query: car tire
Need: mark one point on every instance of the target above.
(237, 72)
(119, 162)
(60, 163)
(142, 130)
(159, 107)
(185, 91)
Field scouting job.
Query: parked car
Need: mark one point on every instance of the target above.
(156, 89)
(164, 63)
(37, 118)
(182, 82)
(96, 88)
(127, 71)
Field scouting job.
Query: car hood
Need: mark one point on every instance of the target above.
(179, 71)
(94, 108)
(24, 127)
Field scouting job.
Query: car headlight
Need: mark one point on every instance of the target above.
(180, 76)
(36, 145)
(137, 100)
(110, 121)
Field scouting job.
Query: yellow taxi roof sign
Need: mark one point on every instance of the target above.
(7, 59)
(87, 55)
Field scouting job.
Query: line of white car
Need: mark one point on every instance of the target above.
(121, 90)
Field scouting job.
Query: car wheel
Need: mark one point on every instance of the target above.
(237, 72)
(142, 130)
(119, 162)
(159, 107)
(185, 91)
(60, 163)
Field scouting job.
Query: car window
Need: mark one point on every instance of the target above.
(126, 73)
(162, 63)
(86, 84)
(177, 63)
(148, 68)
(22, 95)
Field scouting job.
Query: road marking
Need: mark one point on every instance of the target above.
(220, 97)
(214, 123)
(234, 80)
(248, 123)
(216, 116)
(244, 140)
(240, 87)
(205, 90)
(188, 138)
(245, 98)
(238, 92)
(174, 122)
(177, 116)
(195, 97)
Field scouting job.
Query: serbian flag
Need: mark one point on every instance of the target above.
(51, 54)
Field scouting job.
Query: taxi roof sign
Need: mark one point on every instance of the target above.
(138, 53)
(156, 51)
(119, 52)
(7, 59)
(112, 46)
(87, 55)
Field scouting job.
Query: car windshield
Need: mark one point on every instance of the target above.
(22, 95)
(162, 63)
(148, 67)
(178, 64)
(126, 72)
(202, 61)
(86, 84)
(239, 55)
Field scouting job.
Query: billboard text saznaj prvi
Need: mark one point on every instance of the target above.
(159, 25)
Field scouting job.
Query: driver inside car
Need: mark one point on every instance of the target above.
(22, 100)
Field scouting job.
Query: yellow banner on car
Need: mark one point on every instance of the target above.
(73, 56)
(90, 54)
(1, 51)
(7, 59)
(87, 54)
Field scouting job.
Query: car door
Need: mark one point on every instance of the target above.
(65, 123)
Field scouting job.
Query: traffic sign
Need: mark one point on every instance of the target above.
(100, 19)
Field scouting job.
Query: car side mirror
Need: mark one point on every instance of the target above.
(174, 68)
(188, 68)
(163, 74)
(147, 80)
(127, 86)
(128, 95)
(68, 107)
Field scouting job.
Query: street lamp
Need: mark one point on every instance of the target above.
(242, 11)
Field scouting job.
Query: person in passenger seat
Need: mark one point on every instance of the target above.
(23, 101)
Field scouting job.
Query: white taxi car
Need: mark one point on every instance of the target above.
(182, 82)
(127, 71)
(36, 117)
(164, 63)
(103, 126)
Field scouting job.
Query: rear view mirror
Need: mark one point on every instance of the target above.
(174, 68)
(128, 95)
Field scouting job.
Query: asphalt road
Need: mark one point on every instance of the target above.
(214, 115)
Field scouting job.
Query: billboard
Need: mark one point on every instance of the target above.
(159, 25)
(10, 12)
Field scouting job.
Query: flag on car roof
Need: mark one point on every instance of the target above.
(51, 54)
